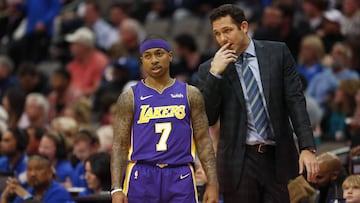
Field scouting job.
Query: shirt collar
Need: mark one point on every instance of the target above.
(251, 49)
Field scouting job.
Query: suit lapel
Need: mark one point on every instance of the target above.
(264, 67)
(232, 75)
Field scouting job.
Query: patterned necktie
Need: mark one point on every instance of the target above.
(255, 98)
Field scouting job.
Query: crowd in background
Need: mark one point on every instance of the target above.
(63, 63)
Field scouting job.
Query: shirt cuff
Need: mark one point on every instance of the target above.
(216, 75)
(27, 197)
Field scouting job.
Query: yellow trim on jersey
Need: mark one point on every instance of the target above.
(160, 92)
(194, 182)
(127, 177)
(132, 128)
(193, 145)
(131, 144)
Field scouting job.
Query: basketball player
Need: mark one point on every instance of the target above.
(158, 124)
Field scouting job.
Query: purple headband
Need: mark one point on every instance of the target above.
(154, 43)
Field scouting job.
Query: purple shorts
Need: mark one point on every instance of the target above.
(153, 184)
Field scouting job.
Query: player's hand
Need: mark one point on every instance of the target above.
(211, 194)
(308, 160)
(222, 58)
(119, 197)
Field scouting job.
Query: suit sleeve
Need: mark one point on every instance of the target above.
(295, 102)
(210, 88)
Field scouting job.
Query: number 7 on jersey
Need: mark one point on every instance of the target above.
(164, 129)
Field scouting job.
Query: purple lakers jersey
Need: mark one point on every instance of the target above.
(161, 131)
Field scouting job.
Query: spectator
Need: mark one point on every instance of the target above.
(313, 10)
(354, 126)
(342, 107)
(41, 184)
(350, 26)
(36, 111)
(324, 84)
(53, 146)
(38, 31)
(35, 134)
(68, 127)
(7, 79)
(81, 112)
(106, 137)
(105, 132)
(311, 53)
(4, 116)
(291, 32)
(86, 143)
(118, 13)
(88, 63)
(13, 148)
(189, 59)
(271, 24)
(32, 80)
(330, 32)
(97, 174)
(61, 97)
(351, 188)
(11, 23)
(105, 35)
(117, 74)
(180, 9)
(157, 11)
(14, 103)
(132, 34)
(330, 177)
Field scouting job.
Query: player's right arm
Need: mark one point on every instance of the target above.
(122, 132)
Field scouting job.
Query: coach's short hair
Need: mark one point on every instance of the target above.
(235, 12)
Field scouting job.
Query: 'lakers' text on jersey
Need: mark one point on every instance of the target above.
(162, 131)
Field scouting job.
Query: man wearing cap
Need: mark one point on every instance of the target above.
(330, 31)
(158, 123)
(88, 63)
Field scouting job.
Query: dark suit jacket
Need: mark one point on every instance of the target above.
(224, 99)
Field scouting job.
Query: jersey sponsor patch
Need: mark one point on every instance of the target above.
(177, 95)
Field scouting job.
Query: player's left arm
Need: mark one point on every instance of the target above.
(203, 142)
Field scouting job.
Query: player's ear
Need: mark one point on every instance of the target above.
(170, 56)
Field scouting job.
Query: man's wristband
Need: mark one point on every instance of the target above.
(116, 189)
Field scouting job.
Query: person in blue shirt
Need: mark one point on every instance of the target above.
(13, 145)
(97, 174)
(39, 29)
(7, 79)
(311, 52)
(324, 84)
(41, 184)
(86, 143)
(53, 146)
